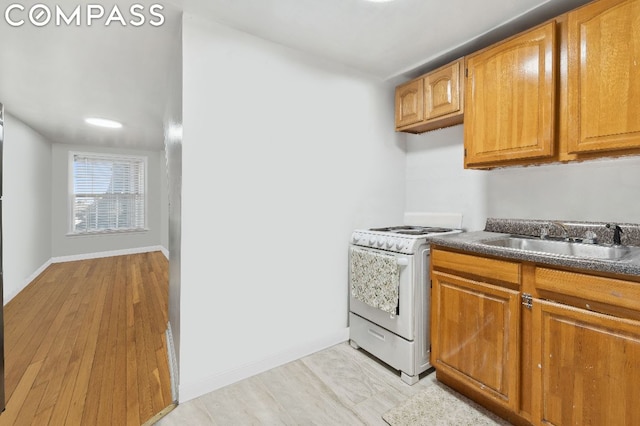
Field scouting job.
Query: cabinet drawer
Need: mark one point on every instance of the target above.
(611, 291)
(493, 269)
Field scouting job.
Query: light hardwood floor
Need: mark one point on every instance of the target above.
(85, 345)
(337, 386)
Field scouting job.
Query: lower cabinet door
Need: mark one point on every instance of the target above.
(586, 367)
(475, 335)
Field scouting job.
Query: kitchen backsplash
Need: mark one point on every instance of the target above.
(576, 229)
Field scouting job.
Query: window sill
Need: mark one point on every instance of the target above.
(107, 232)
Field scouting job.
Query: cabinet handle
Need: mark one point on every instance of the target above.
(527, 300)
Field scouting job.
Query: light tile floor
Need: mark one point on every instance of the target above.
(336, 386)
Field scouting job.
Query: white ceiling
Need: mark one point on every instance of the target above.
(52, 77)
(378, 38)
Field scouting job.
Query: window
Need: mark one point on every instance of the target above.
(108, 193)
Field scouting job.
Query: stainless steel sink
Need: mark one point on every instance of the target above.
(563, 248)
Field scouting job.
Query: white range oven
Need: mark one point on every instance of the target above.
(389, 288)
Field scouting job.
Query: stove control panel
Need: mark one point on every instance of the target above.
(394, 243)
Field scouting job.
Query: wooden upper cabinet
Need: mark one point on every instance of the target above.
(511, 99)
(604, 76)
(410, 103)
(431, 101)
(442, 94)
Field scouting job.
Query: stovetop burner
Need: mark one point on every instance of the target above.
(413, 230)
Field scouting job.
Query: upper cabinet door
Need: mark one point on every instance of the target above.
(409, 103)
(431, 101)
(442, 91)
(510, 99)
(604, 76)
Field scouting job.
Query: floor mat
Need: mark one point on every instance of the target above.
(440, 405)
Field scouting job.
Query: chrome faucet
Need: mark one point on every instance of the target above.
(544, 231)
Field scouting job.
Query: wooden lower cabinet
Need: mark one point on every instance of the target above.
(476, 335)
(586, 367)
(570, 357)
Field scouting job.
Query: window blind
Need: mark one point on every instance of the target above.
(108, 193)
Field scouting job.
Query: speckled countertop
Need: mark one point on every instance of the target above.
(496, 228)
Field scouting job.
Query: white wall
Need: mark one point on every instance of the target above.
(437, 181)
(26, 206)
(164, 201)
(173, 152)
(600, 190)
(283, 156)
(64, 245)
(605, 190)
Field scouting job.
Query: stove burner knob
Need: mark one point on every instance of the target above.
(381, 242)
(390, 243)
(372, 241)
(355, 238)
(399, 245)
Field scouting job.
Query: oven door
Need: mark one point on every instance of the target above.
(401, 322)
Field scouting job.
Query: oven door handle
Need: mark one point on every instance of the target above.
(402, 261)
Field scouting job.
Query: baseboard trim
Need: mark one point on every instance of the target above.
(193, 390)
(97, 255)
(165, 251)
(27, 281)
(173, 364)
